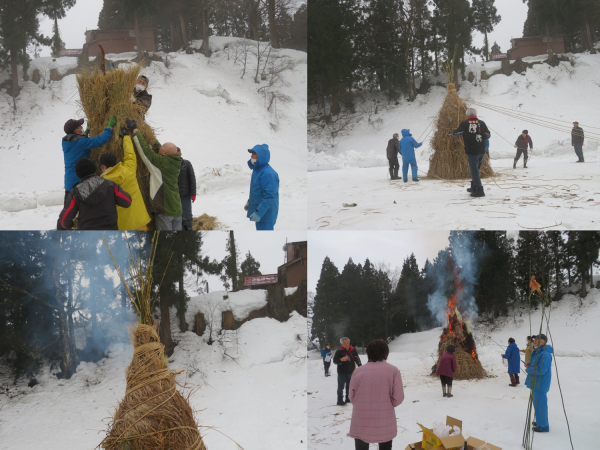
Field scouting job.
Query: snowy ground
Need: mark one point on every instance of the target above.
(553, 192)
(489, 408)
(267, 376)
(200, 104)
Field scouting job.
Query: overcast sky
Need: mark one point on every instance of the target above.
(84, 16)
(379, 246)
(266, 248)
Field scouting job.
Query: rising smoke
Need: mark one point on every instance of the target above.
(460, 261)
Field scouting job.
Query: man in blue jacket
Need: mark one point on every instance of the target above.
(514, 362)
(326, 355)
(76, 145)
(407, 149)
(263, 203)
(539, 376)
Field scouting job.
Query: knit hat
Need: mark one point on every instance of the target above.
(145, 78)
(525, 131)
(71, 125)
(85, 167)
(108, 160)
(541, 336)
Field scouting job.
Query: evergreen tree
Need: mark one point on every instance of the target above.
(496, 49)
(57, 9)
(326, 310)
(230, 262)
(250, 266)
(485, 17)
(584, 246)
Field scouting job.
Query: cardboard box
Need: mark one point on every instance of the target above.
(453, 442)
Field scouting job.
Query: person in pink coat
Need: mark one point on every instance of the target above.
(446, 369)
(375, 390)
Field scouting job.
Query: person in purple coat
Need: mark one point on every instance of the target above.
(446, 369)
(375, 390)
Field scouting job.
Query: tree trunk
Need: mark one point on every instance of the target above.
(138, 36)
(253, 17)
(205, 34)
(234, 281)
(70, 307)
(186, 43)
(165, 325)
(273, 25)
(69, 357)
(549, 44)
(335, 101)
(487, 47)
(14, 73)
(589, 37)
(183, 327)
(592, 276)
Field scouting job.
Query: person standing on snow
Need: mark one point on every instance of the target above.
(140, 94)
(76, 145)
(187, 191)
(521, 145)
(125, 175)
(446, 369)
(392, 150)
(263, 204)
(475, 132)
(375, 390)
(514, 362)
(346, 359)
(326, 355)
(95, 199)
(577, 141)
(539, 376)
(527, 351)
(164, 169)
(407, 149)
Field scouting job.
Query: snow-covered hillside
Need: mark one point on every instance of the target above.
(252, 387)
(551, 191)
(489, 408)
(200, 104)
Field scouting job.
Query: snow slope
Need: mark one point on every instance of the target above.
(552, 190)
(201, 104)
(489, 408)
(252, 389)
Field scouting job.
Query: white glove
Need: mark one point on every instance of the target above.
(132, 98)
(246, 206)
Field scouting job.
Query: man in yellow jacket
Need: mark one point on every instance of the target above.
(125, 175)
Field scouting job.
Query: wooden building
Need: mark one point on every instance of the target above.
(116, 41)
(535, 46)
(295, 269)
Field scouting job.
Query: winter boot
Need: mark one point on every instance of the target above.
(449, 392)
(512, 380)
(444, 390)
(396, 177)
(340, 401)
(539, 430)
(392, 174)
(517, 378)
(478, 191)
(348, 400)
(524, 164)
(471, 188)
(515, 164)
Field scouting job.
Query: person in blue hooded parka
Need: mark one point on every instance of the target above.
(263, 204)
(539, 376)
(407, 148)
(76, 145)
(514, 362)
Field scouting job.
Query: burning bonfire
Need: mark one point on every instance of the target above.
(458, 333)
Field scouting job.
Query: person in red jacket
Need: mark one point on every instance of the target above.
(446, 369)
(523, 141)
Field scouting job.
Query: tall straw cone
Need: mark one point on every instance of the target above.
(103, 96)
(153, 415)
(448, 160)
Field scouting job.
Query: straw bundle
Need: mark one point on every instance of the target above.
(467, 367)
(153, 415)
(103, 96)
(205, 223)
(448, 160)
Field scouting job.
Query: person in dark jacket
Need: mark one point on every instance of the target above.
(577, 141)
(76, 145)
(446, 369)
(326, 355)
(346, 359)
(140, 94)
(514, 362)
(474, 132)
(523, 141)
(392, 150)
(187, 191)
(263, 203)
(539, 376)
(95, 199)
